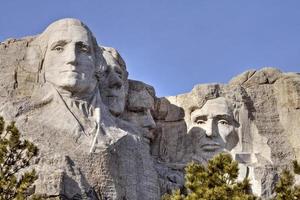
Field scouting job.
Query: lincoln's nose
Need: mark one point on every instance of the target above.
(210, 129)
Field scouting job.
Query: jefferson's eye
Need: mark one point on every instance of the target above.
(223, 122)
(119, 75)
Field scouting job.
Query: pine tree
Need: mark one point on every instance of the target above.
(15, 156)
(285, 188)
(296, 167)
(216, 181)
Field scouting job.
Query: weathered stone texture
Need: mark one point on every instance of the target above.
(117, 140)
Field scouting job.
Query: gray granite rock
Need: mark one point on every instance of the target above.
(102, 136)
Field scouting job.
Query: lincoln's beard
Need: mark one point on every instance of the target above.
(207, 155)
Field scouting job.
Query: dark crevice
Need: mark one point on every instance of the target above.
(16, 78)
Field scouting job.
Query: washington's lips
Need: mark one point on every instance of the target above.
(210, 146)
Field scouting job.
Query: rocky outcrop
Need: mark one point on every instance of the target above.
(102, 136)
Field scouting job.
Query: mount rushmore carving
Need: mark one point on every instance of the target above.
(104, 136)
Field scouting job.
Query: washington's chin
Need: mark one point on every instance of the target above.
(77, 85)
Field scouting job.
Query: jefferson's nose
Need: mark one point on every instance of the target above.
(114, 80)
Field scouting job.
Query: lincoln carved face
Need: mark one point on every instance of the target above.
(69, 61)
(215, 126)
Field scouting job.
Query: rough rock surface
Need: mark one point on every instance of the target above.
(102, 136)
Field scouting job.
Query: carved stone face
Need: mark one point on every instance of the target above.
(142, 117)
(215, 125)
(140, 104)
(69, 60)
(112, 86)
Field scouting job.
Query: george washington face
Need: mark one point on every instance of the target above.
(70, 60)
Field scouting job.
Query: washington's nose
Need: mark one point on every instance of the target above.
(71, 56)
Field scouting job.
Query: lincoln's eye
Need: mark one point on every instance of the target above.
(200, 121)
(223, 122)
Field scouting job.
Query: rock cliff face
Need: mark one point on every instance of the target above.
(102, 136)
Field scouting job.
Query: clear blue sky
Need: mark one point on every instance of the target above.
(175, 44)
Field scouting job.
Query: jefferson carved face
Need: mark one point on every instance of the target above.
(215, 126)
(112, 86)
(70, 60)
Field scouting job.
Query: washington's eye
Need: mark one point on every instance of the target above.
(223, 122)
(58, 48)
(83, 48)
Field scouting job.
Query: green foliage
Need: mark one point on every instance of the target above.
(285, 188)
(216, 181)
(15, 155)
(296, 167)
